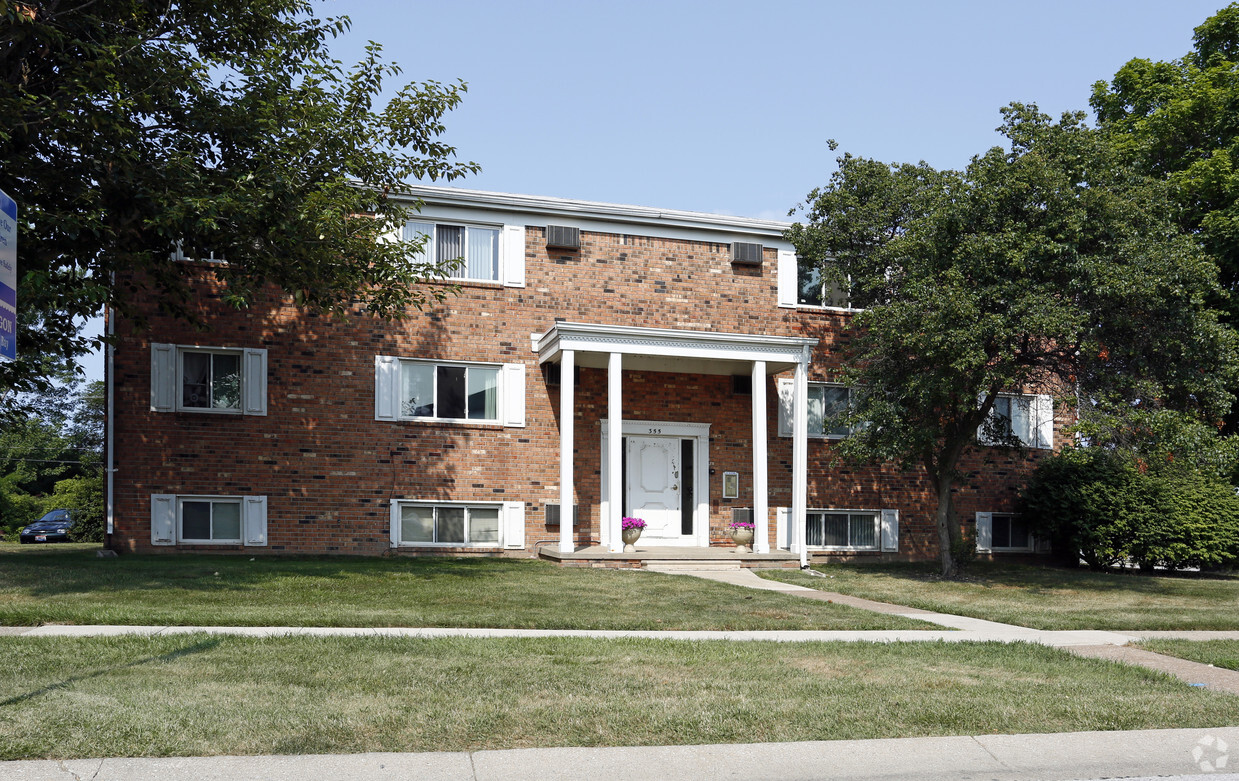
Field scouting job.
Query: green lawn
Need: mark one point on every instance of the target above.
(208, 694)
(1041, 597)
(65, 585)
(1219, 653)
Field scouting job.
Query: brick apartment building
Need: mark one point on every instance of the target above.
(467, 427)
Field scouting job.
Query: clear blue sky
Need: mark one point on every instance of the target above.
(726, 106)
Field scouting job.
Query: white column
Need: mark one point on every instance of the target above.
(800, 456)
(615, 449)
(761, 523)
(567, 372)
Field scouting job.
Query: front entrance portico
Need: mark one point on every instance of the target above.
(617, 348)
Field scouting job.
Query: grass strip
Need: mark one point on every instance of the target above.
(1219, 653)
(1040, 597)
(208, 695)
(74, 587)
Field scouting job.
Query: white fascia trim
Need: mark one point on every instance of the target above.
(545, 206)
(669, 342)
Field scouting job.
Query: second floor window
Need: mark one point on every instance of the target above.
(827, 404)
(211, 380)
(812, 290)
(476, 248)
(1028, 418)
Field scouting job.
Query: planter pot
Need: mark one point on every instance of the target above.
(743, 538)
(630, 536)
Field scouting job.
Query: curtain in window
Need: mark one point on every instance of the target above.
(417, 524)
(483, 390)
(195, 380)
(483, 254)
(816, 409)
(417, 382)
(417, 230)
(863, 531)
(226, 521)
(450, 246)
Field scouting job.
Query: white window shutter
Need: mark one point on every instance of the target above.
(254, 520)
(890, 530)
(788, 282)
(783, 528)
(513, 394)
(254, 382)
(512, 259)
(1043, 417)
(787, 401)
(163, 377)
(163, 519)
(985, 531)
(386, 388)
(1040, 544)
(514, 524)
(394, 520)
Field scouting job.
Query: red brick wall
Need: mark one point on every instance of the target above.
(329, 468)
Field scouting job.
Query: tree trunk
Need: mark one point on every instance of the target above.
(946, 522)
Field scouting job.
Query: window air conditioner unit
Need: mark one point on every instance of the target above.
(744, 253)
(563, 237)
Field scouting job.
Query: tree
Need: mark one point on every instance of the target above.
(224, 126)
(1045, 267)
(1178, 121)
(51, 453)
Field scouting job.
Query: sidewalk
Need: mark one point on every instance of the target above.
(1073, 755)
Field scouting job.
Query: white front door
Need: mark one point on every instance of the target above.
(654, 487)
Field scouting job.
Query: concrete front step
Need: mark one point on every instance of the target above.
(654, 565)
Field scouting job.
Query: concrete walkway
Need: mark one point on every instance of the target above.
(1180, 753)
(1092, 644)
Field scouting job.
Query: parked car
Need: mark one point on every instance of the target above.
(53, 527)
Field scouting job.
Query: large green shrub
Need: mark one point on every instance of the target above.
(17, 508)
(1099, 505)
(84, 496)
(1192, 522)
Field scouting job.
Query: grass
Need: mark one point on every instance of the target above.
(1041, 597)
(72, 586)
(1219, 653)
(209, 694)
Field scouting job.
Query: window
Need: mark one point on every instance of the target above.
(812, 290)
(448, 391)
(827, 403)
(853, 530)
(474, 248)
(1030, 419)
(208, 520)
(204, 256)
(411, 389)
(208, 379)
(458, 524)
(1009, 532)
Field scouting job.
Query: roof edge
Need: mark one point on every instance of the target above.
(568, 207)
